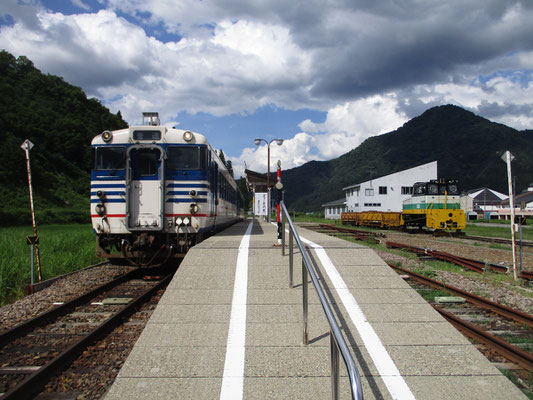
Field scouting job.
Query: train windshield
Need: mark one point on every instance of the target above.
(110, 158)
(433, 189)
(453, 189)
(186, 157)
(419, 189)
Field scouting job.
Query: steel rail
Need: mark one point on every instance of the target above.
(24, 327)
(33, 384)
(337, 342)
(528, 243)
(519, 356)
(474, 265)
(508, 312)
(361, 235)
(526, 275)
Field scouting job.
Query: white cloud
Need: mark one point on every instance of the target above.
(346, 126)
(371, 65)
(81, 4)
(507, 99)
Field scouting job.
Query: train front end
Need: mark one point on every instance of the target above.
(150, 197)
(434, 206)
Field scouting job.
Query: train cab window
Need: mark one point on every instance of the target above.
(110, 158)
(146, 162)
(433, 189)
(187, 157)
(419, 190)
(453, 190)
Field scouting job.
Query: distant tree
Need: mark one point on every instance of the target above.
(61, 121)
(229, 165)
(222, 156)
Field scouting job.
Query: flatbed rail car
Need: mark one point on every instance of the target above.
(378, 219)
(157, 191)
(434, 206)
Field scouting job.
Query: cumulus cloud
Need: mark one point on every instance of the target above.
(371, 65)
(346, 126)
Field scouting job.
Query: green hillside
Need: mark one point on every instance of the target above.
(61, 121)
(467, 147)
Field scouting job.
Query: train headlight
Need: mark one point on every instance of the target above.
(107, 136)
(193, 193)
(194, 208)
(100, 210)
(186, 220)
(179, 221)
(187, 136)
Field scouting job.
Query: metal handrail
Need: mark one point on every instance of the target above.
(337, 342)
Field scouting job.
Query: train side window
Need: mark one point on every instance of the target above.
(110, 158)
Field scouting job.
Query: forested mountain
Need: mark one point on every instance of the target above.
(466, 146)
(61, 121)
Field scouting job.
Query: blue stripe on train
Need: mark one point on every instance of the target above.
(174, 192)
(187, 200)
(108, 201)
(187, 185)
(111, 193)
(105, 185)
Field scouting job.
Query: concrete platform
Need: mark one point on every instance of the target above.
(183, 351)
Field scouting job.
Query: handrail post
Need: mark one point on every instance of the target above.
(305, 293)
(334, 354)
(282, 234)
(291, 260)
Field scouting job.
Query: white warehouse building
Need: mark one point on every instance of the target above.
(387, 192)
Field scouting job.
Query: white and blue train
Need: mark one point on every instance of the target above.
(156, 191)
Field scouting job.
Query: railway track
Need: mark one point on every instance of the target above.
(521, 325)
(35, 351)
(474, 265)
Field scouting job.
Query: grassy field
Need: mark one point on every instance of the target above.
(63, 248)
(497, 230)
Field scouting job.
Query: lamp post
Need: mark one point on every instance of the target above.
(279, 142)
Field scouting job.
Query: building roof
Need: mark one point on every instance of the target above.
(258, 180)
(525, 197)
(486, 195)
(339, 202)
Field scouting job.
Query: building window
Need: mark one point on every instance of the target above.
(369, 192)
(372, 204)
(407, 190)
(383, 190)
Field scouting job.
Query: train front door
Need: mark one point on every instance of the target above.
(145, 189)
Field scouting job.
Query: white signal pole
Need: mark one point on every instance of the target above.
(27, 146)
(508, 157)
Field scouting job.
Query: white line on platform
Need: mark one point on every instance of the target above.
(387, 369)
(233, 378)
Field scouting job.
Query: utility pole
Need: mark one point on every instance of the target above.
(508, 157)
(27, 146)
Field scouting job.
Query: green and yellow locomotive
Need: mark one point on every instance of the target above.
(434, 206)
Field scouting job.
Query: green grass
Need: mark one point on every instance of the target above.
(497, 231)
(524, 386)
(63, 248)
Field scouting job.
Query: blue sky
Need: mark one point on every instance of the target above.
(324, 76)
